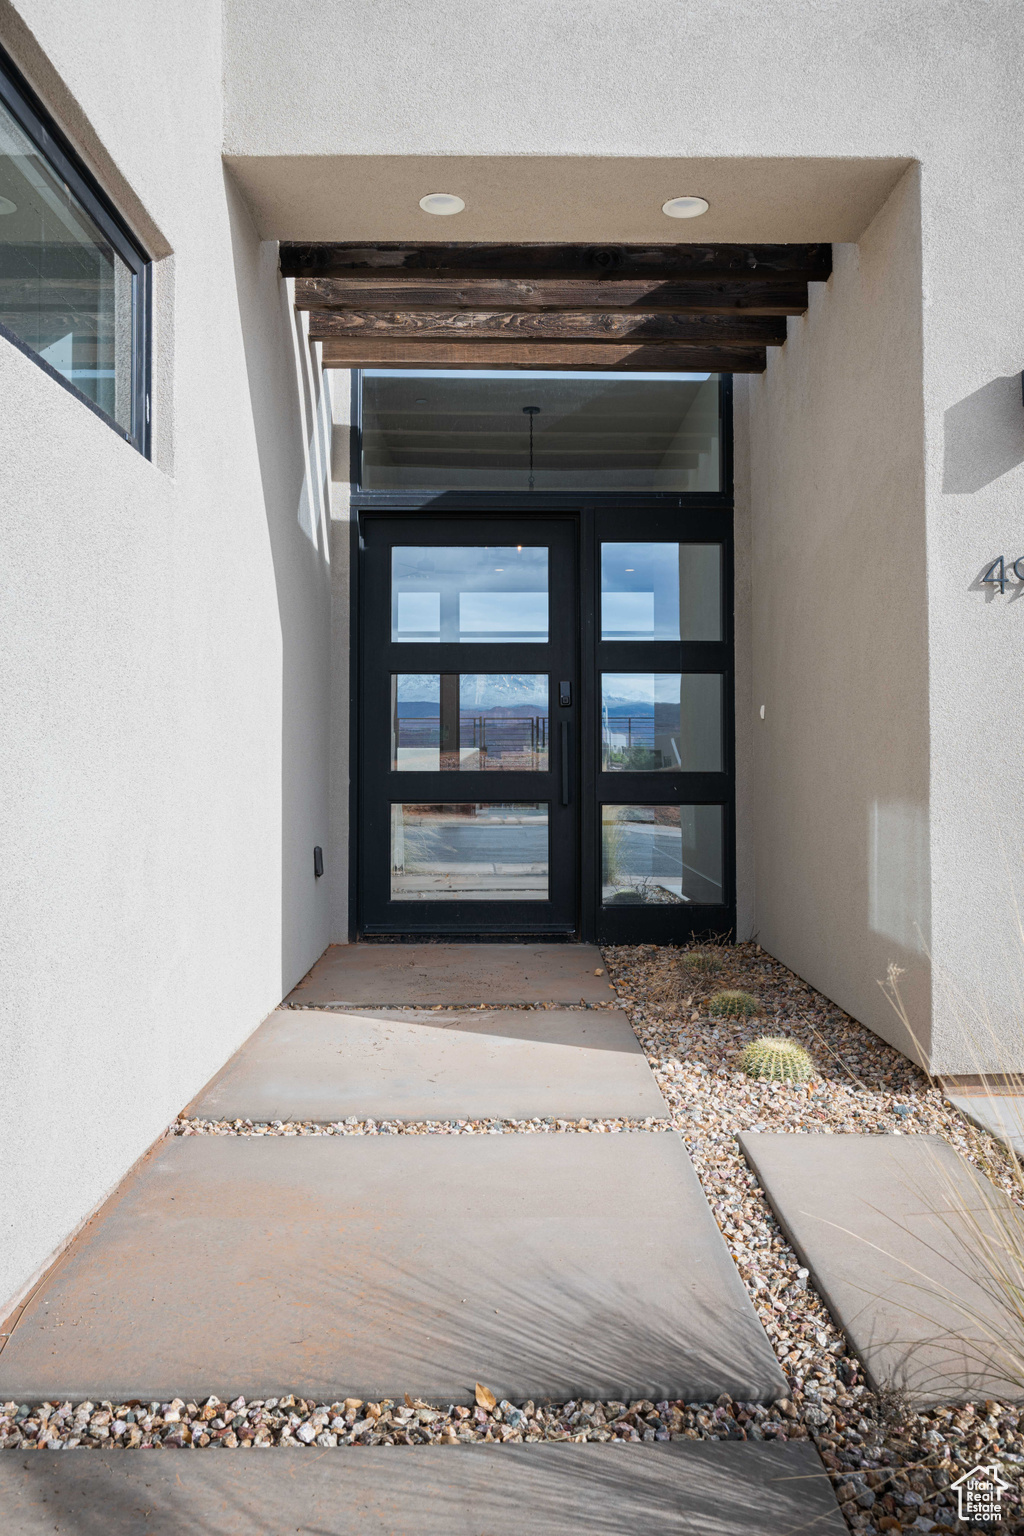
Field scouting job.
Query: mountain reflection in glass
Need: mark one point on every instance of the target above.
(661, 722)
(475, 722)
(463, 595)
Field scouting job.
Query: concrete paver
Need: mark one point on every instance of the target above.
(679, 1489)
(1002, 1114)
(514, 1064)
(546, 1266)
(382, 975)
(889, 1228)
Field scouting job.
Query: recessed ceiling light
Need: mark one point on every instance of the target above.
(6, 206)
(685, 207)
(441, 202)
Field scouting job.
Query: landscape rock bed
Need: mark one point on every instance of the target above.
(354, 1127)
(891, 1468)
(296, 1421)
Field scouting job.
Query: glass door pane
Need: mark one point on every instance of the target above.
(469, 722)
(463, 596)
(469, 852)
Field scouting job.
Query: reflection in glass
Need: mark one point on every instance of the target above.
(661, 592)
(469, 852)
(64, 292)
(475, 721)
(434, 429)
(658, 855)
(470, 595)
(661, 722)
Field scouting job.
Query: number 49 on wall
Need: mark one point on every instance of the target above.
(995, 576)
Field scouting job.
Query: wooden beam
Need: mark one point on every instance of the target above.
(557, 325)
(747, 296)
(401, 261)
(356, 352)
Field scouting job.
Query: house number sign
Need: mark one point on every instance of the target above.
(996, 575)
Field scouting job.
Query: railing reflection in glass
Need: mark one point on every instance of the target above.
(661, 722)
(473, 722)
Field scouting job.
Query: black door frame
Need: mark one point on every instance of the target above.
(557, 786)
(700, 516)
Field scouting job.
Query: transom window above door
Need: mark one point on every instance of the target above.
(433, 430)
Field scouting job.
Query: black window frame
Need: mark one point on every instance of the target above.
(32, 117)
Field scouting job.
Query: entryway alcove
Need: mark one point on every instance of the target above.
(542, 575)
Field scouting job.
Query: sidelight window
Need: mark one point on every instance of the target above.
(661, 855)
(661, 722)
(73, 282)
(661, 591)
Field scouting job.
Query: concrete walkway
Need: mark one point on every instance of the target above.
(896, 1254)
(421, 1065)
(681, 1489)
(550, 1265)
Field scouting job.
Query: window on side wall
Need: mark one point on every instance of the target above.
(74, 284)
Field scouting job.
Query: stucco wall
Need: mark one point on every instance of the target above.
(840, 632)
(164, 660)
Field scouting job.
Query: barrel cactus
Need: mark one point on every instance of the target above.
(783, 1061)
(733, 1005)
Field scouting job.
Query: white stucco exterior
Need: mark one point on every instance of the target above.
(173, 669)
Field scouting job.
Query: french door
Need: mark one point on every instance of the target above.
(467, 711)
(544, 723)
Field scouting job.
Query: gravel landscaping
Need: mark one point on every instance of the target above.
(891, 1468)
(354, 1127)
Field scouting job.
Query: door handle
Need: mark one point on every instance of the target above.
(565, 762)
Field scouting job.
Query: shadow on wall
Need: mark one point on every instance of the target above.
(291, 421)
(984, 436)
(899, 911)
(341, 451)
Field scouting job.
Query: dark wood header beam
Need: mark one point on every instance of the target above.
(747, 296)
(365, 352)
(553, 325)
(456, 260)
(660, 308)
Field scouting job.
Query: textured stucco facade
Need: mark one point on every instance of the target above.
(174, 667)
